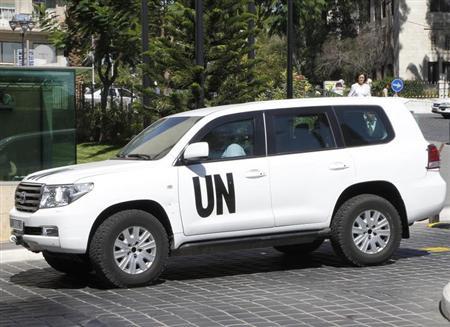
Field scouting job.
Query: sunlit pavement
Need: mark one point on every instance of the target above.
(243, 288)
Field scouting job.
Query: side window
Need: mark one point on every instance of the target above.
(299, 132)
(364, 125)
(231, 139)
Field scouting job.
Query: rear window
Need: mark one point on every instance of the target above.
(364, 125)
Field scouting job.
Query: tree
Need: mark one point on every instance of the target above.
(315, 21)
(228, 72)
(345, 57)
(107, 28)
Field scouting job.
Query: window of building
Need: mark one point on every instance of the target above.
(8, 50)
(446, 70)
(440, 5)
(433, 72)
(433, 40)
(47, 3)
(364, 125)
(7, 10)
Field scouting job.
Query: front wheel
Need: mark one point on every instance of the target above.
(366, 230)
(129, 249)
(446, 116)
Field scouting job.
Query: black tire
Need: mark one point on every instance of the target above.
(342, 224)
(299, 249)
(101, 248)
(446, 116)
(68, 263)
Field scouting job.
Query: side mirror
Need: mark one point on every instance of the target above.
(196, 151)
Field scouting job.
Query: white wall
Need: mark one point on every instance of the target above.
(415, 38)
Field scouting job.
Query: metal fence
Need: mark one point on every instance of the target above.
(121, 120)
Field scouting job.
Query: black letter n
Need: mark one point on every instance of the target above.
(222, 193)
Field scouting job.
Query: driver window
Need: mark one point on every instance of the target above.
(233, 139)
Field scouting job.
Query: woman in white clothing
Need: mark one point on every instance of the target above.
(360, 88)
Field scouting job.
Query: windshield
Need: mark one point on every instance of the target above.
(155, 141)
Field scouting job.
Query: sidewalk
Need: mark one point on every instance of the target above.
(420, 106)
(10, 252)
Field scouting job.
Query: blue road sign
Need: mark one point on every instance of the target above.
(397, 85)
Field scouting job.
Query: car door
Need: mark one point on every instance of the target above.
(228, 191)
(308, 166)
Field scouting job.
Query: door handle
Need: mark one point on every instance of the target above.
(338, 166)
(255, 173)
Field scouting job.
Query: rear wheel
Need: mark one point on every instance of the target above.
(299, 249)
(130, 248)
(366, 230)
(68, 263)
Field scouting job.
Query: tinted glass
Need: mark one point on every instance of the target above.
(363, 125)
(302, 132)
(37, 121)
(158, 139)
(233, 139)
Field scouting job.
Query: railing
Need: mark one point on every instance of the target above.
(7, 13)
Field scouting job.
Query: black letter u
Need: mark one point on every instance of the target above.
(204, 212)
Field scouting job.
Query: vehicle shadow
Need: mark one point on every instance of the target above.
(224, 264)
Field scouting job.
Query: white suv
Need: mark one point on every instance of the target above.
(285, 173)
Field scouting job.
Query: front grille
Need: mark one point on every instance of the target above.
(28, 197)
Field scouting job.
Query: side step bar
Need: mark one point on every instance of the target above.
(249, 242)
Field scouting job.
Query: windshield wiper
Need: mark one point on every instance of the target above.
(135, 155)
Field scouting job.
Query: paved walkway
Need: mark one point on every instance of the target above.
(243, 288)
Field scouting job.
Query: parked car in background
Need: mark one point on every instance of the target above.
(120, 96)
(442, 107)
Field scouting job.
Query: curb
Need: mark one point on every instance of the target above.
(9, 255)
(445, 302)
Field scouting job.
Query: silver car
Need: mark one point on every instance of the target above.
(442, 107)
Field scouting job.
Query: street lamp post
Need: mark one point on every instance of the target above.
(290, 40)
(26, 24)
(199, 51)
(146, 58)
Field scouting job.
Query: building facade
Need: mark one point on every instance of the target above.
(415, 35)
(37, 48)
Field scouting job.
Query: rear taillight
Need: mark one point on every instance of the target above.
(434, 159)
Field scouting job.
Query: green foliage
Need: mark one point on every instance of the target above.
(379, 85)
(419, 89)
(302, 88)
(228, 75)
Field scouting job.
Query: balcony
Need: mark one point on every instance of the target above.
(6, 14)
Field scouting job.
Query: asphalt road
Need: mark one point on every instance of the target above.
(434, 127)
(260, 287)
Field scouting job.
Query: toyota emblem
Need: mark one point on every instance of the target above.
(22, 197)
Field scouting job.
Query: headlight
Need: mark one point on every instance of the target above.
(61, 195)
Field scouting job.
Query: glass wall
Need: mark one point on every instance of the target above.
(37, 120)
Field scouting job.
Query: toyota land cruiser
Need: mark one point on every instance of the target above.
(287, 174)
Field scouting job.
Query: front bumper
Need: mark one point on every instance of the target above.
(36, 243)
(440, 110)
(71, 223)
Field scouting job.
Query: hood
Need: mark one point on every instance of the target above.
(72, 174)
